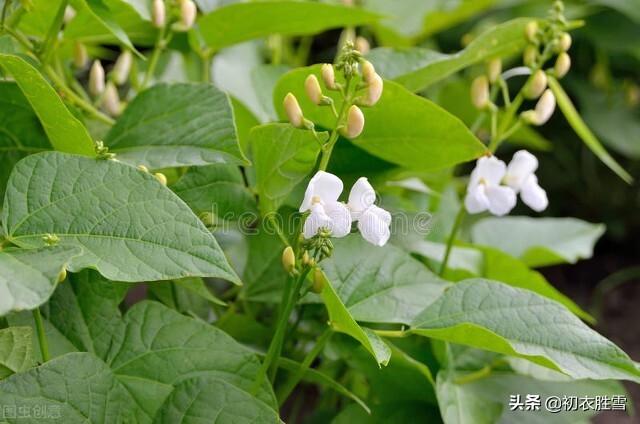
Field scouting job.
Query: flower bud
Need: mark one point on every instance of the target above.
(563, 64)
(531, 31)
(122, 67)
(80, 56)
(288, 260)
(355, 122)
(536, 85)
(305, 258)
(292, 108)
(96, 78)
(480, 92)
(62, 275)
(543, 110)
(318, 281)
(158, 13)
(494, 68)
(143, 168)
(564, 43)
(188, 12)
(368, 71)
(161, 178)
(69, 14)
(362, 45)
(374, 91)
(312, 87)
(530, 55)
(328, 76)
(111, 100)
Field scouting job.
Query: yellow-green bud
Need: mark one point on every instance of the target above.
(161, 178)
(188, 12)
(374, 91)
(111, 100)
(531, 31)
(328, 76)
(319, 281)
(362, 45)
(530, 55)
(158, 13)
(96, 78)
(536, 85)
(312, 87)
(563, 64)
(62, 275)
(122, 67)
(293, 111)
(305, 258)
(368, 71)
(80, 56)
(480, 92)
(69, 14)
(355, 122)
(564, 43)
(494, 68)
(288, 259)
(143, 168)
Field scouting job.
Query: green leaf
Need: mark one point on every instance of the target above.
(341, 321)
(28, 277)
(20, 130)
(218, 189)
(402, 128)
(172, 125)
(578, 125)
(459, 405)
(16, 352)
(539, 241)
(75, 388)
(496, 317)
(129, 226)
(65, 132)
(502, 267)
(380, 284)
(209, 399)
(235, 23)
(283, 156)
(418, 68)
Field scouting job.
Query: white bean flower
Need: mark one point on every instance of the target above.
(521, 178)
(484, 191)
(373, 221)
(321, 199)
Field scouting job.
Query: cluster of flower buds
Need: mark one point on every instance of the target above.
(493, 186)
(480, 87)
(187, 12)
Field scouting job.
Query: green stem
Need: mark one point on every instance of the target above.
(5, 8)
(206, 66)
(161, 42)
(393, 334)
(452, 237)
(295, 378)
(328, 147)
(52, 34)
(474, 376)
(42, 338)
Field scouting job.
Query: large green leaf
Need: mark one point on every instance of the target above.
(496, 317)
(578, 125)
(177, 125)
(218, 189)
(16, 352)
(129, 226)
(65, 132)
(20, 130)
(459, 405)
(28, 277)
(341, 321)
(402, 128)
(418, 68)
(539, 241)
(235, 23)
(283, 156)
(380, 284)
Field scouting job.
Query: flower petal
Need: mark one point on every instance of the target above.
(476, 200)
(361, 197)
(533, 195)
(315, 221)
(520, 168)
(501, 199)
(374, 225)
(340, 218)
(324, 185)
(490, 169)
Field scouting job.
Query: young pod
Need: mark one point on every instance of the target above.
(328, 76)
(494, 69)
(122, 67)
(158, 13)
(312, 87)
(355, 122)
(563, 64)
(96, 78)
(536, 85)
(188, 12)
(293, 111)
(111, 100)
(480, 92)
(80, 55)
(288, 260)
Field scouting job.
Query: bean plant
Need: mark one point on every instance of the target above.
(241, 212)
